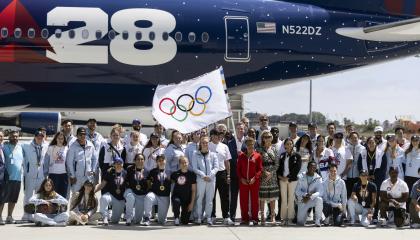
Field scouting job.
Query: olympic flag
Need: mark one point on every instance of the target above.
(192, 105)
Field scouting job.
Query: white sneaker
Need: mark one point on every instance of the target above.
(61, 224)
(10, 220)
(415, 225)
(146, 222)
(383, 222)
(176, 222)
(105, 221)
(228, 222)
(251, 223)
(317, 223)
(198, 221)
(210, 222)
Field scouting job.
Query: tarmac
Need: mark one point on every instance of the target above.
(202, 232)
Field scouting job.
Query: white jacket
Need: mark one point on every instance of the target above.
(81, 161)
(205, 165)
(30, 160)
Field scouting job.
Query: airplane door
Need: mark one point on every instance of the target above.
(237, 39)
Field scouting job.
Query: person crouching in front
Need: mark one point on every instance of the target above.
(49, 206)
(114, 185)
(183, 195)
(84, 206)
(160, 184)
(335, 197)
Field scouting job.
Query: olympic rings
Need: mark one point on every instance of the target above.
(178, 104)
(196, 93)
(179, 120)
(202, 111)
(170, 112)
(189, 107)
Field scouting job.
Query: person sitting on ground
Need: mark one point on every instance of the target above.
(50, 207)
(394, 195)
(84, 206)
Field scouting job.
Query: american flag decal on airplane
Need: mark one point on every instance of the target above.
(266, 27)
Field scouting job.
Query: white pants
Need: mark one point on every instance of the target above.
(287, 189)
(205, 195)
(32, 186)
(92, 220)
(152, 199)
(117, 207)
(304, 207)
(51, 219)
(134, 206)
(356, 208)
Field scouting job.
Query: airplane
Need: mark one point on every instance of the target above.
(88, 56)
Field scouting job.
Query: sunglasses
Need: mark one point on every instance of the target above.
(263, 119)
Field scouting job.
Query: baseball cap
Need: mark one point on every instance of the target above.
(136, 121)
(312, 125)
(154, 135)
(339, 135)
(118, 160)
(292, 124)
(81, 130)
(363, 172)
(38, 132)
(378, 129)
(91, 120)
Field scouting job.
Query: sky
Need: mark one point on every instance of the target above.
(380, 92)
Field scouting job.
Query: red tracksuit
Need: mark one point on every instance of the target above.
(247, 169)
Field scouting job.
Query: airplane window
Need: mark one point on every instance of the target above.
(72, 34)
(165, 36)
(111, 34)
(125, 35)
(58, 33)
(205, 37)
(191, 37)
(178, 36)
(44, 33)
(85, 34)
(152, 36)
(31, 33)
(98, 34)
(4, 32)
(138, 35)
(18, 33)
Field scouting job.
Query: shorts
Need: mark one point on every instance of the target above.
(10, 192)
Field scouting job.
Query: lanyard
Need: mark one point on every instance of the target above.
(38, 151)
(162, 177)
(138, 175)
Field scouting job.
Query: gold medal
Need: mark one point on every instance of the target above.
(138, 187)
(118, 191)
(162, 188)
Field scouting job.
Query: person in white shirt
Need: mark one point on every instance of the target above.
(240, 137)
(293, 128)
(342, 155)
(394, 195)
(312, 132)
(277, 143)
(356, 150)
(304, 148)
(150, 152)
(55, 164)
(97, 140)
(136, 125)
(222, 176)
(159, 130)
(379, 139)
(401, 140)
(264, 125)
(394, 155)
(331, 131)
(412, 162)
(67, 128)
(133, 148)
(322, 156)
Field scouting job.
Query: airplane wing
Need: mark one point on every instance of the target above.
(401, 31)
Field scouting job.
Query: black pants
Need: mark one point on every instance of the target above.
(223, 188)
(336, 214)
(61, 183)
(178, 203)
(349, 185)
(234, 191)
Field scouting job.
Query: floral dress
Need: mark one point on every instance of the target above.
(269, 188)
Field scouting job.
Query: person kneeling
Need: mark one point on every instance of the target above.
(160, 191)
(183, 195)
(50, 207)
(362, 200)
(308, 192)
(84, 206)
(335, 197)
(394, 195)
(114, 186)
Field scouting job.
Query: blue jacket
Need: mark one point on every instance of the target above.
(337, 195)
(13, 155)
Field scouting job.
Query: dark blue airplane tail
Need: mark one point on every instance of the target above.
(402, 8)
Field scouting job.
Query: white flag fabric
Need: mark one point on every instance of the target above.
(192, 105)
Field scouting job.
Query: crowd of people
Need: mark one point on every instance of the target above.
(335, 179)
